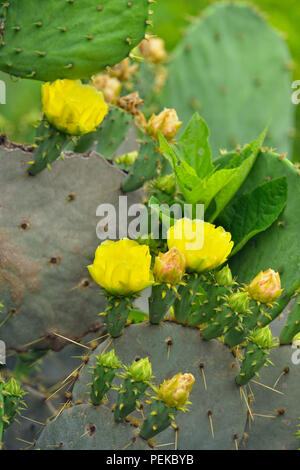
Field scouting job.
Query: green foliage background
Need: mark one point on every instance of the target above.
(171, 17)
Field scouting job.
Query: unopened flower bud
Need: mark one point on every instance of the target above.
(263, 338)
(166, 122)
(224, 276)
(141, 371)
(12, 387)
(169, 267)
(239, 302)
(127, 159)
(110, 87)
(124, 70)
(296, 340)
(175, 392)
(153, 50)
(109, 360)
(265, 287)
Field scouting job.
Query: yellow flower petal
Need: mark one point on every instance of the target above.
(72, 107)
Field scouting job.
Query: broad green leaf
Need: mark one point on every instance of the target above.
(194, 189)
(254, 212)
(245, 162)
(195, 146)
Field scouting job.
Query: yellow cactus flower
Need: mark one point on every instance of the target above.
(265, 287)
(166, 122)
(122, 268)
(204, 245)
(175, 391)
(72, 107)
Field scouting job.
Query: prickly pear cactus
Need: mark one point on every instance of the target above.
(279, 244)
(47, 238)
(219, 52)
(86, 427)
(72, 39)
(275, 409)
(211, 423)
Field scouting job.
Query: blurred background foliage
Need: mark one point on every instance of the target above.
(170, 19)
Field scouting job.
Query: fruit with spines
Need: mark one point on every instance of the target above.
(136, 380)
(256, 354)
(103, 375)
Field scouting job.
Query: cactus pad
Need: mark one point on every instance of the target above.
(47, 238)
(172, 348)
(69, 39)
(217, 67)
(276, 432)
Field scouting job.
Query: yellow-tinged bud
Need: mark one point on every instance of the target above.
(141, 371)
(224, 276)
(169, 267)
(239, 302)
(110, 87)
(109, 360)
(296, 340)
(263, 338)
(153, 50)
(122, 268)
(203, 245)
(175, 392)
(127, 159)
(124, 70)
(166, 122)
(265, 287)
(72, 107)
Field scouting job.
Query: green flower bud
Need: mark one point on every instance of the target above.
(239, 302)
(141, 371)
(296, 340)
(109, 360)
(263, 338)
(166, 183)
(128, 158)
(224, 276)
(13, 388)
(175, 392)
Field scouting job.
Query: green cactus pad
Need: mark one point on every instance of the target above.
(148, 165)
(69, 39)
(292, 326)
(110, 135)
(85, 427)
(47, 238)
(229, 67)
(160, 301)
(173, 348)
(276, 414)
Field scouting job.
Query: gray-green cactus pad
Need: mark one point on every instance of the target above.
(276, 415)
(47, 238)
(85, 427)
(186, 354)
(229, 67)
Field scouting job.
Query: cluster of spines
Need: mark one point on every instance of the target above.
(159, 417)
(117, 313)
